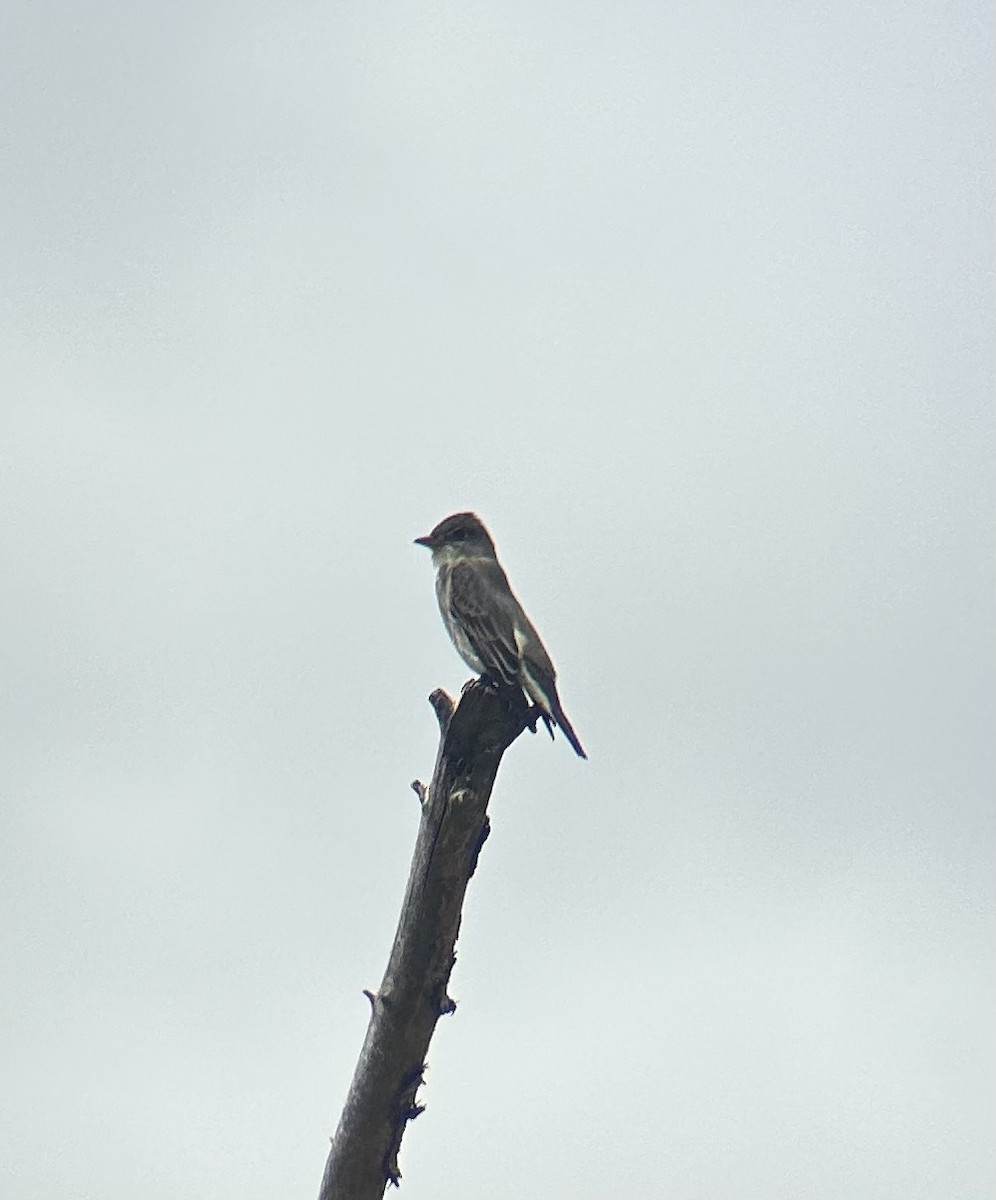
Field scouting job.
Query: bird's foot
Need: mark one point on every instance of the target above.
(492, 684)
(517, 701)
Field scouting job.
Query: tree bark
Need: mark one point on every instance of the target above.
(363, 1159)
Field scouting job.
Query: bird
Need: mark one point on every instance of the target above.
(487, 624)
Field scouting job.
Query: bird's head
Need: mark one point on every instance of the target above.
(462, 535)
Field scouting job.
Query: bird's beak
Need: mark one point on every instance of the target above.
(424, 541)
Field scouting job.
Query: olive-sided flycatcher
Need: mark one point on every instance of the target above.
(486, 623)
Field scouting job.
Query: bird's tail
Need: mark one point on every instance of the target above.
(539, 683)
(560, 719)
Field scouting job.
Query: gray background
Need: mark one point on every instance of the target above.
(692, 303)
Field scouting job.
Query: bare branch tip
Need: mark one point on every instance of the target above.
(371, 997)
(442, 706)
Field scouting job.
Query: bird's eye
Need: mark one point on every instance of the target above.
(460, 535)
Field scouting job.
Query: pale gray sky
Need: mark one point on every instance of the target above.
(693, 304)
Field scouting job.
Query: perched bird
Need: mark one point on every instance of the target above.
(486, 623)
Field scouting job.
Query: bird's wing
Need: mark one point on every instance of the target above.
(486, 613)
(483, 608)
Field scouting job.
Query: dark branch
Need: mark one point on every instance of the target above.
(412, 996)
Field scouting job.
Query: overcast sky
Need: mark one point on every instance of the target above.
(692, 303)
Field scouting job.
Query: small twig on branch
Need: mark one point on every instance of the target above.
(454, 826)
